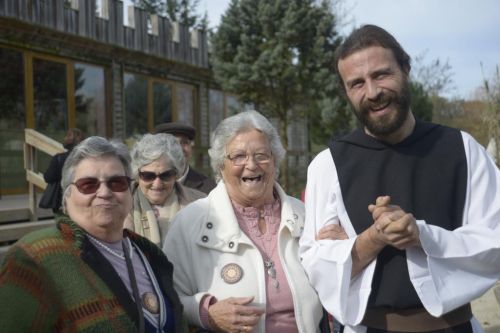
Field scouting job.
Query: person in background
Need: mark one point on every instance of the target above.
(420, 204)
(189, 176)
(157, 163)
(87, 274)
(53, 173)
(236, 252)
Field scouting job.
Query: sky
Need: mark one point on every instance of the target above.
(465, 33)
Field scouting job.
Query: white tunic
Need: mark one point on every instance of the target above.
(452, 267)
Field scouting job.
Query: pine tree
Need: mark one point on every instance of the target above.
(279, 56)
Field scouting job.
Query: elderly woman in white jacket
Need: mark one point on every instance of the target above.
(235, 252)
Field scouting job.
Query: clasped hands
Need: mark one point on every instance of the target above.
(392, 226)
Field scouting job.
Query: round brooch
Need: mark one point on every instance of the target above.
(150, 303)
(231, 273)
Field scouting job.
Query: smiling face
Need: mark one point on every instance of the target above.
(250, 184)
(157, 191)
(102, 213)
(378, 90)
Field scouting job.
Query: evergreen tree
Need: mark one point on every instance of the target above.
(279, 56)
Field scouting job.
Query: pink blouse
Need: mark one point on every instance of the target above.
(280, 315)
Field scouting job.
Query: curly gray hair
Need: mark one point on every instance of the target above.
(152, 147)
(92, 147)
(239, 123)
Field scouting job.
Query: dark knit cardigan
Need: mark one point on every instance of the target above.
(56, 280)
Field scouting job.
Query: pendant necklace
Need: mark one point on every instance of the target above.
(269, 263)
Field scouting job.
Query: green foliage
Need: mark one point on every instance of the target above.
(421, 103)
(278, 55)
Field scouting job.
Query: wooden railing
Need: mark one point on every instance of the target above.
(33, 141)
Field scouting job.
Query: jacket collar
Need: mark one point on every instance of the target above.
(221, 230)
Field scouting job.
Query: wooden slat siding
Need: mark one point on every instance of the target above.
(204, 49)
(59, 15)
(71, 21)
(24, 11)
(119, 27)
(128, 37)
(91, 17)
(165, 36)
(112, 22)
(81, 20)
(12, 8)
(141, 30)
(102, 29)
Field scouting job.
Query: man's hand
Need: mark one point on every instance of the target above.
(331, 231)
(393, 225)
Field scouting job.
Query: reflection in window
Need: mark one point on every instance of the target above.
(136, 105)
(162, 103)
(90, 99)
(215, 108)
(233, 105)
(12, 122)
(50, 100)
(185, 104)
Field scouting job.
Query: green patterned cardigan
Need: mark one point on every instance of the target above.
(55, 280)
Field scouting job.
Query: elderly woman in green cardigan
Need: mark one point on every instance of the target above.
(87, 274)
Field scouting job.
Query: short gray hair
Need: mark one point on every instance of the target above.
(152, 147)
(239, 123)
(93, 147)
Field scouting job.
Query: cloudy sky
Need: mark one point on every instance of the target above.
(465, 33)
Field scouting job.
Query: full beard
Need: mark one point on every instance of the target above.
(385, 125)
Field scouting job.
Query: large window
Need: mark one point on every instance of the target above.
(215, 107)
(90, 98)
(185, 103)
(49, 94)
(12, 122)
(50, 100)
(136, 104)
(162, 103)
(220, 106)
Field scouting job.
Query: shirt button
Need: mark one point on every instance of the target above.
(231, 245)
(204, 239)
(209, 225)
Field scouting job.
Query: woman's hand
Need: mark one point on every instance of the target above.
(331, 231)
(234, 314)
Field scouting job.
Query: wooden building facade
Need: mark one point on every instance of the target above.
(70, 64)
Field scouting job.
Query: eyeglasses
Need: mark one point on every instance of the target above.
(90, 185)
(185, 142)
(239, 159)
(165, 176)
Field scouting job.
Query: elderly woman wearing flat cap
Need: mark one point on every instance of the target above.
(87, 274)
(236, 252)
(157, 162)
(189, 176)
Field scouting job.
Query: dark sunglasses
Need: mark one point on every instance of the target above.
(90, 185)
(149, 176)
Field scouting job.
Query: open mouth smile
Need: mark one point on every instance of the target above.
(252, 179)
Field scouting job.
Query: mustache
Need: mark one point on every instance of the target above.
(381, 100)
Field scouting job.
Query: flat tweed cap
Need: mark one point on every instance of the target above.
(176, 128)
